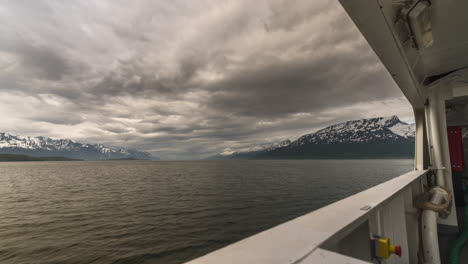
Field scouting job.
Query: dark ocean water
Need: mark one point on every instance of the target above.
(163, 211)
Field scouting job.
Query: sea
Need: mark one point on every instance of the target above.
(163, 211)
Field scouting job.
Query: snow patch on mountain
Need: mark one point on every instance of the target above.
(360, 131)
(44, 146)
(380, 129)
(404, 130)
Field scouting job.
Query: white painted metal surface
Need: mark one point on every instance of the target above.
(435, 140)
(439, 93)
(322, 256)
(331, 227)
(429, 231)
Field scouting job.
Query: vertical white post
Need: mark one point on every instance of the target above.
(429, 217)
(440, 161)
(420, 142)
(429, 232)
(438, 141)
(434, 137)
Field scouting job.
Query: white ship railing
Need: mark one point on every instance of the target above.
(340, 232)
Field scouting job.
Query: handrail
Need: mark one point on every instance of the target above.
(295, 240)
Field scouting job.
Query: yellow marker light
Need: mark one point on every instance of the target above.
(385, 249)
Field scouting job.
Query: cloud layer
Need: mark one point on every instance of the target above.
(186, 79)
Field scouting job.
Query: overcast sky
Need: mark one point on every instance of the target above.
(185, 79)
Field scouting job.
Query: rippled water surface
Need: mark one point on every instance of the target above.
(162, 211)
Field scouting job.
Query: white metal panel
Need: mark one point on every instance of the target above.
(460, 91)
(450, 30)
(322, 256)
(455, 88)
(394, 227)
(412, 223)
(356, 244)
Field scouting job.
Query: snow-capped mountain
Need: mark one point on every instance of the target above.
(373, 137)
(360, 131)
(46, 147)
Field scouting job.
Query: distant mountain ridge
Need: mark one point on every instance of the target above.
(47, 147)
(380, 137)
(17, 157)
(253, 151)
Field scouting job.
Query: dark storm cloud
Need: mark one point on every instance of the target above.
(59, 118)
(280, 88)
(186, 79)
(133, 78)
(41, 61)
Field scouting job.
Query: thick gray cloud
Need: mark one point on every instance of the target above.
(186, 79)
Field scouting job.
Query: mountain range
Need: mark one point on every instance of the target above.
(47, 147)
(381, 137)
